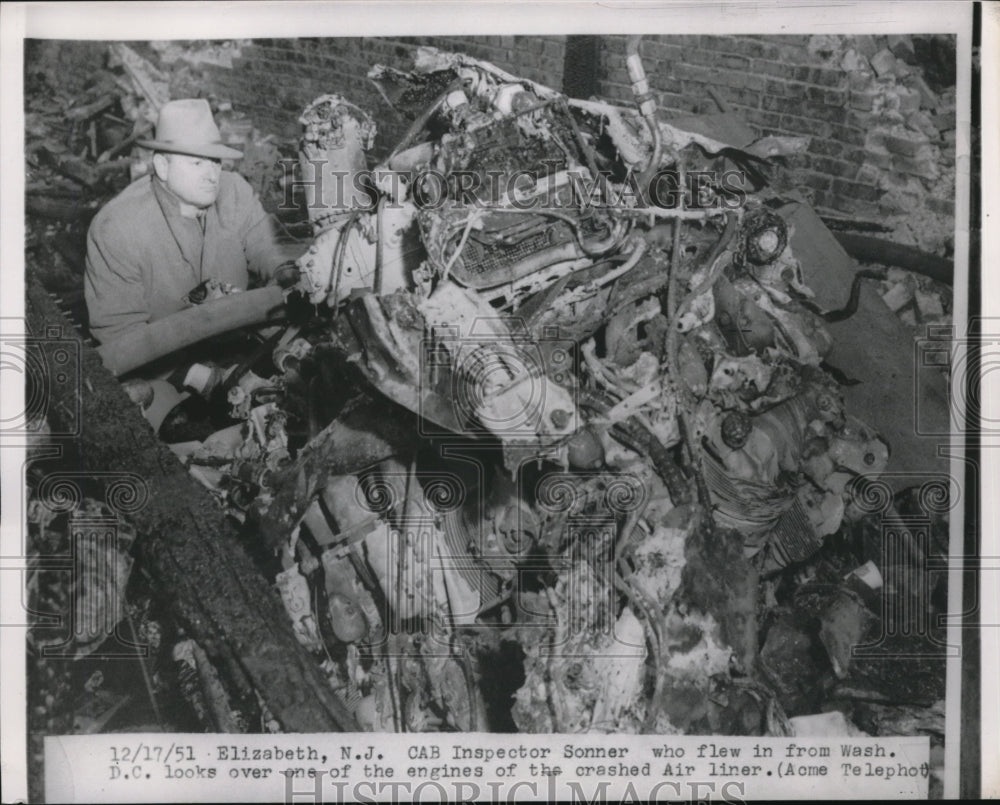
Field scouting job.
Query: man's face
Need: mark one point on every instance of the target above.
(194, 180)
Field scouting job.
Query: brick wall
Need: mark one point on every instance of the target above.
(274, 79)
(879, 110)
(882, 145)
(882, 140)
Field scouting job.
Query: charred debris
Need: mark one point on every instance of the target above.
(549, 436)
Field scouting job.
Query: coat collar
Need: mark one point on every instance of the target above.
(188, 233)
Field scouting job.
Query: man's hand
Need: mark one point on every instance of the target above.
(208, 290)
(287, 274)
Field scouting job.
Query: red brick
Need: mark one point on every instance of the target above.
(821, 199)
(817, 181)
(944, 120)
(861, 120)
(826, 97)
(826, 77)
(942, 206)
(868, 174)
(880, 158)
(731, 78)
(789, 40)
(855, 190)
(671, 100)
(883, 63)
(773, 103)
(825, 148)
(859, 80)
(819, 111)
(909, 100)
(776, 86)
(928, 98)
(554, 50)
(865, 209)
(529, 44)
(662, 51)
(772, 68)
(695, 73)
(833, 167)
(922, 123)
(866, 45)
(617, 75)
(864, 99)
(753, 48)
(802, 125)
(719, 44)
(734, 62)
(908, 147)
(848, 134)
(768, 120)
(843, 203)
(925, 167)
(699, 56)
(902, 47)
(745, 97)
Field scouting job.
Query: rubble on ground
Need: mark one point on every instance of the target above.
(910, 143)
(631, 470)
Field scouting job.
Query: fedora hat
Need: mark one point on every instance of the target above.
(187, 127)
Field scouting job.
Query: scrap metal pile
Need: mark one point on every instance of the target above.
(549, 396)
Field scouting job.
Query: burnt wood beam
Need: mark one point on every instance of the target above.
(185, 541)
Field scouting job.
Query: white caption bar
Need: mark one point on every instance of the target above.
(366, 767)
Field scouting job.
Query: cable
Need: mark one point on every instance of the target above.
(647, 108)
(458, 250)
(338, 258)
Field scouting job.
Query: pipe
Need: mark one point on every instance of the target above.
(338, 259)
(647, 108)
(878, 250)
(632, 262)
(379, 244)
(189, 326)
(590, 249)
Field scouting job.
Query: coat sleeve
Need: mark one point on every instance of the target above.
(113, 285)
(259, 232)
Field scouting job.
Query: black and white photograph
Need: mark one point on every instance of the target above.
(514, 400)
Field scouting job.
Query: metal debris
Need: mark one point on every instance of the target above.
(622, 437)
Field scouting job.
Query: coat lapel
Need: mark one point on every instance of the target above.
(186, 232)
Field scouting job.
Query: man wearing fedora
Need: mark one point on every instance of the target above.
(168, 232)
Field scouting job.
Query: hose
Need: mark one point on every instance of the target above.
(632, 262)
(647, 108)
(851, 307)
(338, 259)
(590, 249)
(189, 326)
(469, 223)
(379, 244)
(868, 249)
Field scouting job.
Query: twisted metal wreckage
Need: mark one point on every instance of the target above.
(587, 425)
